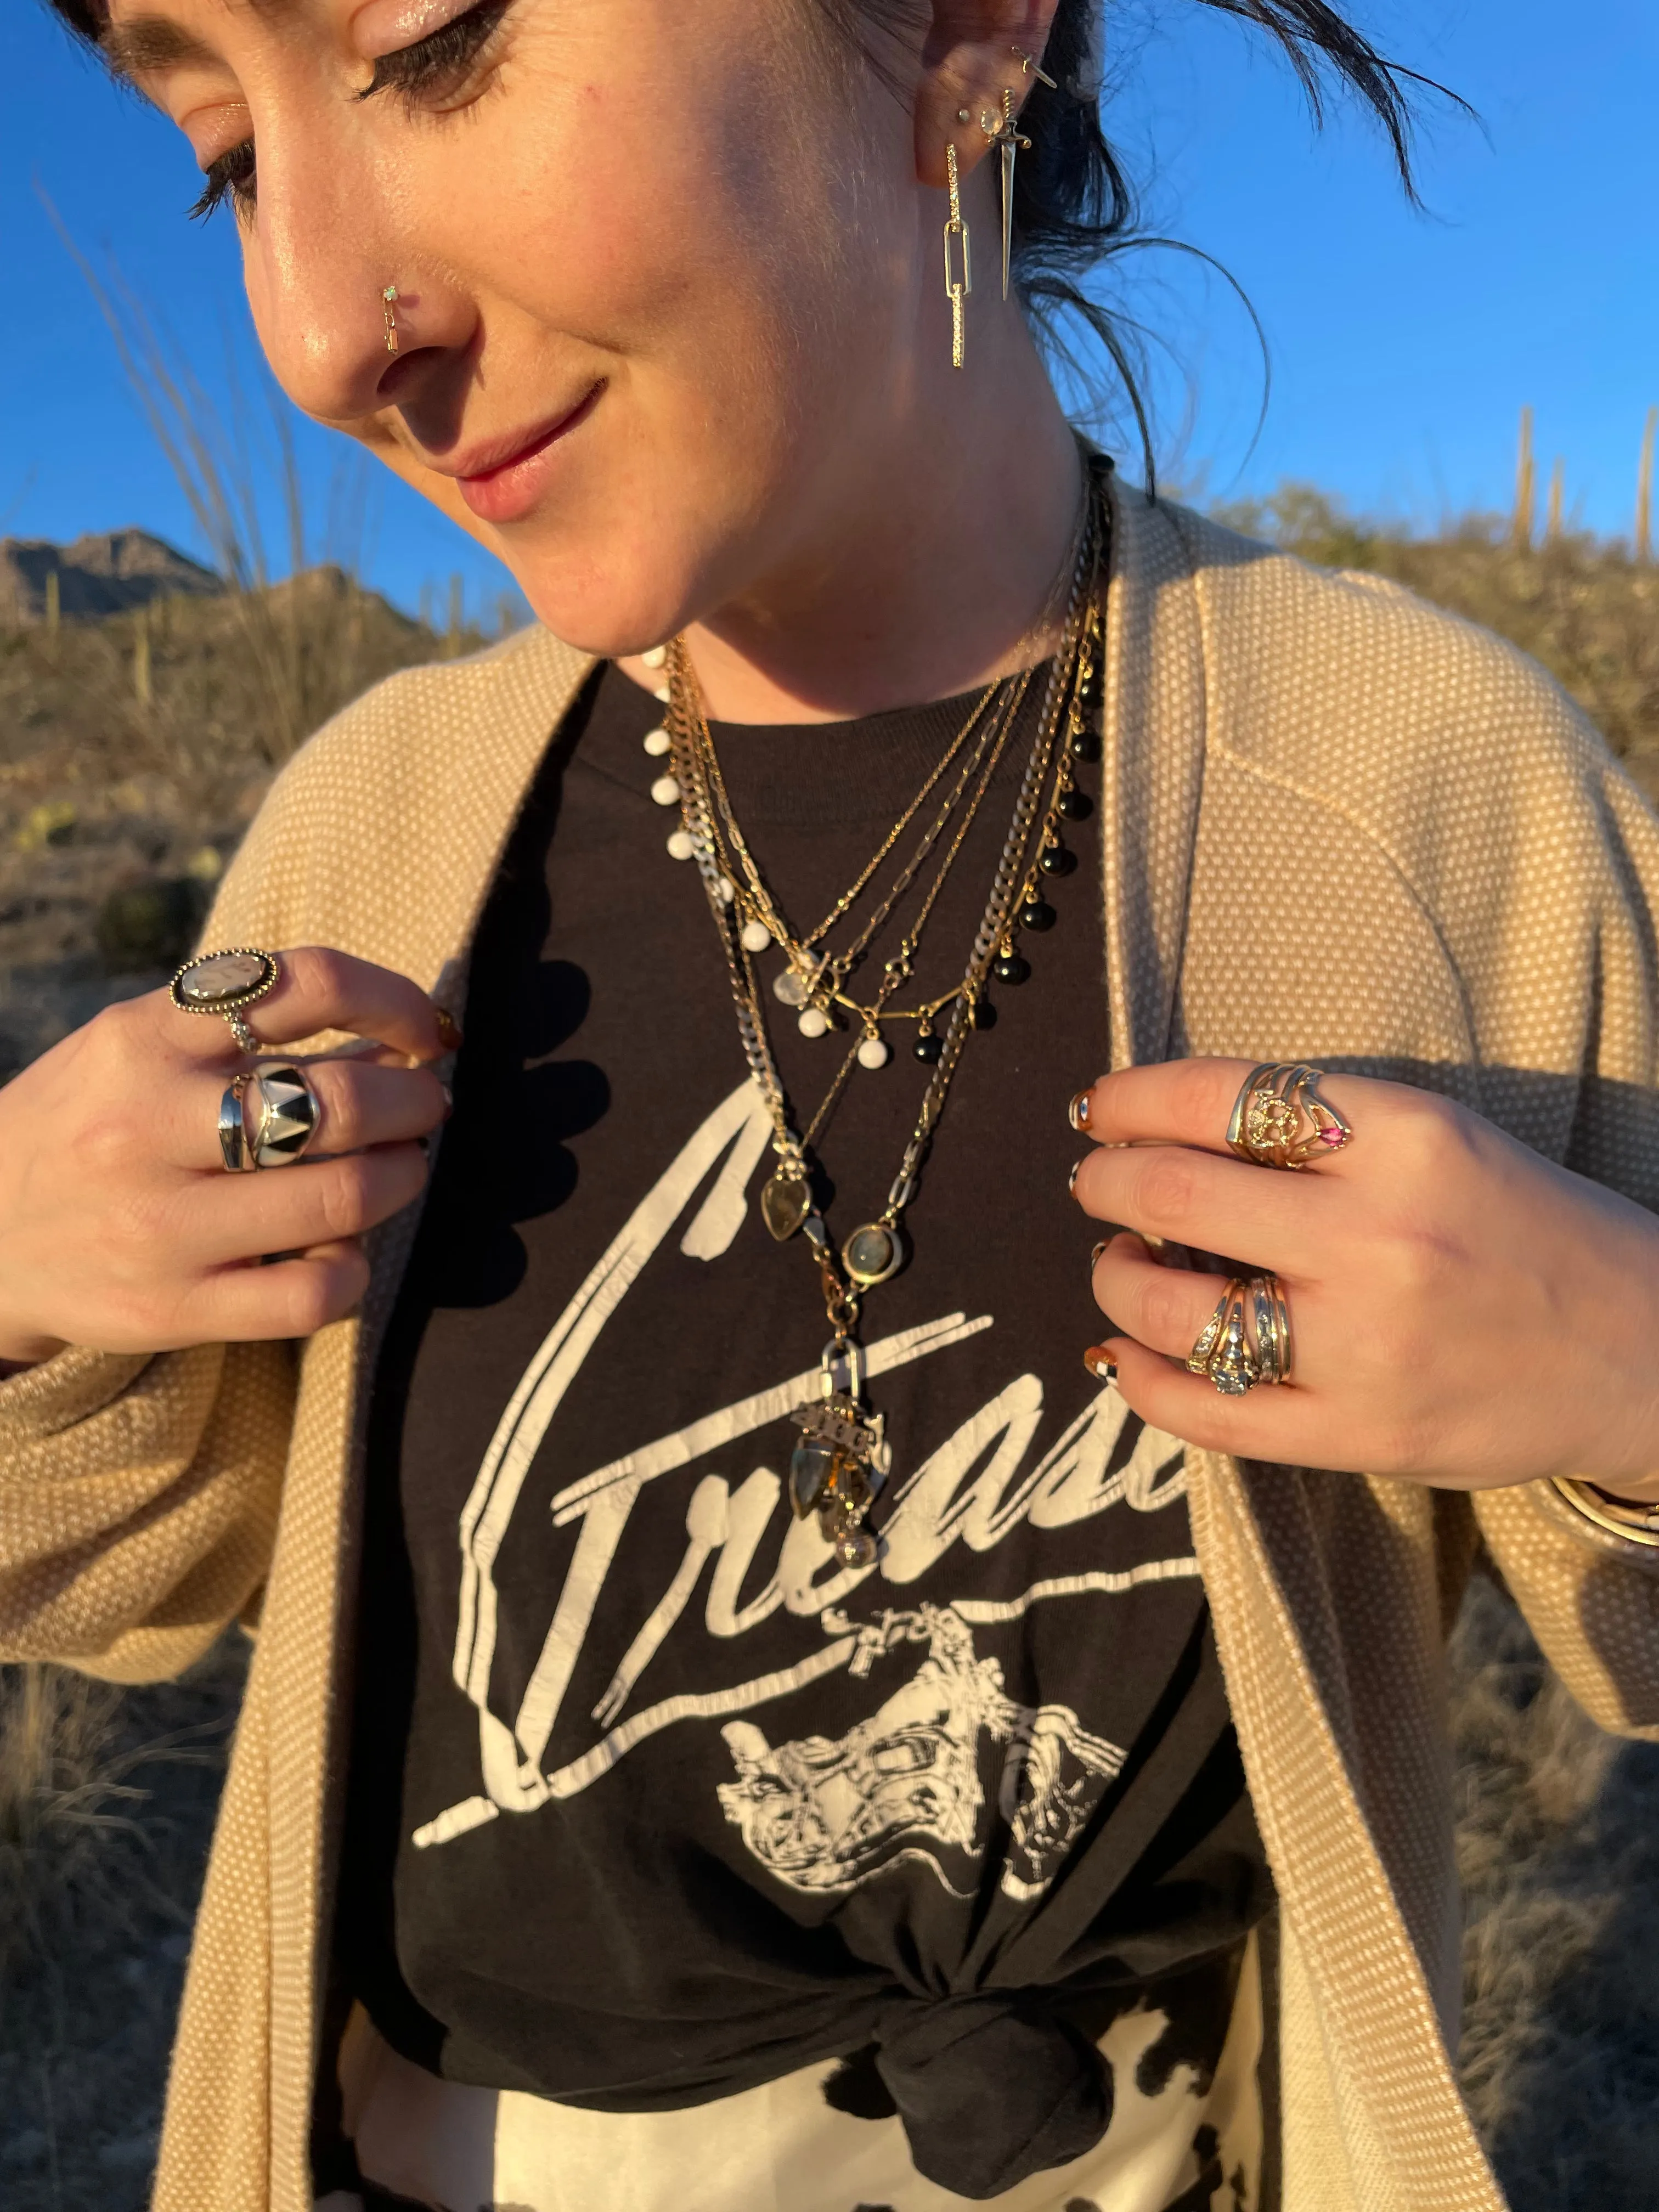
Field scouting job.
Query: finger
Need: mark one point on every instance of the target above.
(1161, 1308)
(320, 988)
(233, 1218)
(1190, 1102)
(1210, 1204)
(294, 1296)
(1281, 1424)
(360, 1101)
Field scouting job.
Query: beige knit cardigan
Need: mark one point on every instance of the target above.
(1339, 825)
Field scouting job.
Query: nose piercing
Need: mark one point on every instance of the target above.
(389, 307)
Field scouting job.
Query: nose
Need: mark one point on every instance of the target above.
(331, 235)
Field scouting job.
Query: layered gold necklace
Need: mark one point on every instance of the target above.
(841, 1460)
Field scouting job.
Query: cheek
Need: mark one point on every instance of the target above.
(706, 280)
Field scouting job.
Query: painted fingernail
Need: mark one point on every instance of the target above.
(1078, 1112)
(1094, 1256)
(449, 1031)
(449, 1100)
(1100, 1364)
(1070, 1180)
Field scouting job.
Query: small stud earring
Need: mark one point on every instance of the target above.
(962, 115)
(956, 287)
(389, 307)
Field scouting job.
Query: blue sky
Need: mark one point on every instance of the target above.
(1402, 346)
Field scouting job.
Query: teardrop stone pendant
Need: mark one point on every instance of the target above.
(785, 1204)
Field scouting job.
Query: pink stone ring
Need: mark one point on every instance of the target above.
(1279, 1118)
(222, 983)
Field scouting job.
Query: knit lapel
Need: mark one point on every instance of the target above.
(1152, 774)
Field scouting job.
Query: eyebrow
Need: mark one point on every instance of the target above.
(149, 44)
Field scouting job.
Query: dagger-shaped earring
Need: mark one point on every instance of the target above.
(389, 309)
(1002, 134)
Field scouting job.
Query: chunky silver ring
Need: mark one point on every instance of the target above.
(1279, 1118)
(286, 1114)
(222, 983)
(233, 1129)
(285, 1119)
(1247, 1339)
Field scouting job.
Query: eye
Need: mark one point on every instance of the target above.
(231, 177)
(439, 67)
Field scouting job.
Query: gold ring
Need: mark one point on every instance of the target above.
(222, 983)
(1247, 1339)
(1279, 1118)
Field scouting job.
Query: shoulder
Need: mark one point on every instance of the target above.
(416, 730)
(378, 832)
(1345, 680)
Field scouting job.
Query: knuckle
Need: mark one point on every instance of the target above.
(1164, 1304)
(1193, 1092)
(342, 1119)
(1163, 1186)
(345, 1196)
(315, 970)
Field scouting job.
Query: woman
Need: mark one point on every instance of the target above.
(739, 1718)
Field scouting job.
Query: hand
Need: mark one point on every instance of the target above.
(119, 1226)
(1462, 1312)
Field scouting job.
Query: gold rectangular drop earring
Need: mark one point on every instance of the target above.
(956, 287)
(389, 308)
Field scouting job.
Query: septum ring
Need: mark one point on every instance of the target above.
(1247, 1339)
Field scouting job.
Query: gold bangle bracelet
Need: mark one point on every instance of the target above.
(1637, 1524)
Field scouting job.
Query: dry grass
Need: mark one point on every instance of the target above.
(106, 1805)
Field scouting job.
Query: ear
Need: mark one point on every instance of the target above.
(967, 59)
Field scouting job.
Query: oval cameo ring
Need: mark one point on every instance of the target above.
(224, 983)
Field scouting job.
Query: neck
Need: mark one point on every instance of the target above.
(926, 560)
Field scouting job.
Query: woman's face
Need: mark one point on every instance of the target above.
(662, 269)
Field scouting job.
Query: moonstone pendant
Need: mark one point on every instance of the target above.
(667, 791)
(871, 1253)
(681, 845)
(874, 1052)
(786, 1202)
(657, 743)
(655, 657)
(756, 937)
(813, 1021)
(792, 988)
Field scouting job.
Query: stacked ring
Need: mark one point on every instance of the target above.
(287, 1118)
(1247, 1339)
(1279, 1118)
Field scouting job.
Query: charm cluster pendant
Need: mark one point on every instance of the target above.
(833, 1473)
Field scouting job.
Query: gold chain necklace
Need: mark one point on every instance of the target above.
(841, 1460)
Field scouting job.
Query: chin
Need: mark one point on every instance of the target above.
(605, 604)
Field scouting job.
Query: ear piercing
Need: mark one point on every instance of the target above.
(958, 283)
(389, 308)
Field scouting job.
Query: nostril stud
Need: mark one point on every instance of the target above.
(389, 308)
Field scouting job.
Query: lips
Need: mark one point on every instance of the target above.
(504, 482)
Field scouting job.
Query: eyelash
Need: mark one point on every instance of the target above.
(432, 67)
